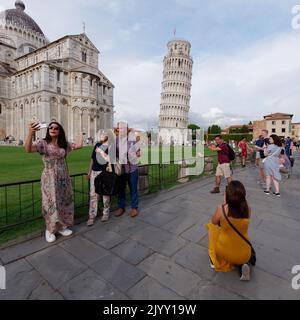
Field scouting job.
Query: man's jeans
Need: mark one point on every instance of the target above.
(132, 180)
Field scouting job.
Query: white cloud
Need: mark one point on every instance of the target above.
(262, 79)
(227, 89)
(137, 92)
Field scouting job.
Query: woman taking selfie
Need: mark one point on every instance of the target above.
(56, 185)
(227, 248)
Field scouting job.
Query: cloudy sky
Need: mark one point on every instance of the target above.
(246, 53)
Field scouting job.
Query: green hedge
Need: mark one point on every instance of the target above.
(235, 137)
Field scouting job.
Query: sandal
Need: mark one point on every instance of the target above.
(90, 222)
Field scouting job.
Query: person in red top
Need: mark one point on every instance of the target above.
(223, 169)
(243, 146)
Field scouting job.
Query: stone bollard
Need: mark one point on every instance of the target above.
(144, 180)
(183, 172)
(238, 159)
(208, 166)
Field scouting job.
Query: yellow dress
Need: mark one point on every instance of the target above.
(226, 248)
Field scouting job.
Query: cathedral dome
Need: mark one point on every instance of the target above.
(18, 17)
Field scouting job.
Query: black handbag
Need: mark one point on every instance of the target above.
(107, 183)
(252, 260)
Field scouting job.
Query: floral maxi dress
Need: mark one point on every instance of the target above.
(56, 185)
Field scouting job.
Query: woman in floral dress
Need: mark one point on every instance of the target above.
(56, 184)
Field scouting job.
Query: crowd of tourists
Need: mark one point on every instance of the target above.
(110, 172)
(229, 243)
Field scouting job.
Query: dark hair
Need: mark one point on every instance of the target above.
(236, 200)
(218, 136)
(277, 140)
(61, 141)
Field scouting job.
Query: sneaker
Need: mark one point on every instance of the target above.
(105, 218)
(245, 273)
(65, 232)
(90, 222)
(277, 194)
(215, 190)
(50, 237)
(267, 192)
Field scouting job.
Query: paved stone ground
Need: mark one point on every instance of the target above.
(162, 254)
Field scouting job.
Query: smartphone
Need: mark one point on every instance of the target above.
(43, 125)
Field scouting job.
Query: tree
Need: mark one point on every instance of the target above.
(244, 129)
(193, 127)
(215, 129)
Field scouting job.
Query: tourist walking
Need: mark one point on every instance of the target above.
(223, 169)
(243, 151)
(261, 148)
(227, 248)
(259, 143)
(56, 184)
(128, 154)
(288, 145)
(272, 165)
(99, 162)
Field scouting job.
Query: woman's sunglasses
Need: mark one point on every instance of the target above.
(54, 128)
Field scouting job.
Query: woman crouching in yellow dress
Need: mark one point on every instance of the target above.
(226, 248)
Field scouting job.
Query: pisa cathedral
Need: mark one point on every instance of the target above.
(176, 92)
(57, 80)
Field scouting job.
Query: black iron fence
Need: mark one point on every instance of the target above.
(20, 203)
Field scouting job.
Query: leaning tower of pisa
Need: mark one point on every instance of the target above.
(176, 89)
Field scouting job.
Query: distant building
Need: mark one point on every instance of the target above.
(258, 126)
(237, 128)
(276, 123)
(295, 131)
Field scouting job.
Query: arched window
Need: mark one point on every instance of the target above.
(58, 75)
(83, 56)
(0, 108)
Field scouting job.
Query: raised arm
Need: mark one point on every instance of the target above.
(29, 147)
(217, 216)
(214, 148)
(78, 144)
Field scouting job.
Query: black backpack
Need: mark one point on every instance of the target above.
(231, 153)
(107, 183)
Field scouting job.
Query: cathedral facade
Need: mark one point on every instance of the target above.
(52, 81)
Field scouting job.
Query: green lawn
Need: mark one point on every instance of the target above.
(18, 166)
(24, 202)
